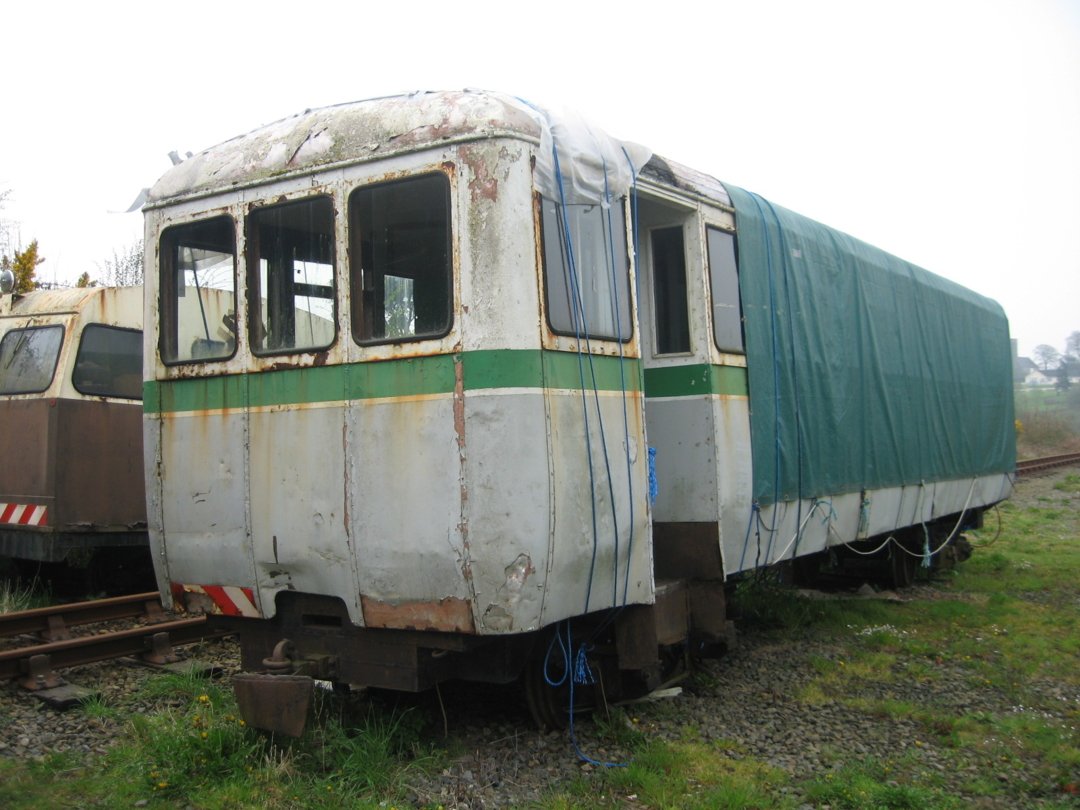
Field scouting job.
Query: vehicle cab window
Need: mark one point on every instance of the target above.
(198, 291)
(586, 270)
(28, 359)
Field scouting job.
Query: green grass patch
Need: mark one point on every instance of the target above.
(872, 785)
(197, 751)
(693, 775)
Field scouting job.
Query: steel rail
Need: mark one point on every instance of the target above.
(1033, 465)
(51, 622)
(105, 646)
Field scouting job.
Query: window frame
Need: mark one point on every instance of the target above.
(56, 357)
(78, 355)
(713, 276)
(626, 338)
(684, 290)
(167, 290)
(356, 267)
(251, 245)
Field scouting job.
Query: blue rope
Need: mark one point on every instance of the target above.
(578, 311)
(617, 313)
(575, 670)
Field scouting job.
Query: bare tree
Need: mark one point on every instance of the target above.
(125, 269)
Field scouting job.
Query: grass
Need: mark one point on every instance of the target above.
(197, 751)
(16, 595)
(1004, 625)
(1047, 421)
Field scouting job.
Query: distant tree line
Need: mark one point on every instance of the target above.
(1064, 364)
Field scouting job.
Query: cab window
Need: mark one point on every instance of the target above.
(586, 270)
(198, 291)
(401, 269)
(28, 359)
(290, 251)
(724, 280)
(109, 362)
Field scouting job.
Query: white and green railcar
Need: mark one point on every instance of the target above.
(408, 359)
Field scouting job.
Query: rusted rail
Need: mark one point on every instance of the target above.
(1035, 465)
(52, 623)
(35, 666)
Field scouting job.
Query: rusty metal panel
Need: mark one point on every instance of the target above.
(407, 502)
(99, 475)
(29, 452)
(274, 703)
(82, 457)
(448, 615)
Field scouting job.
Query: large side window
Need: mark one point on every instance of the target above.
(669, 291)
(198, 291)
(290, 250)
(28, 359)
(109, 362)
(400, 260)
(586, 270)
(724, 278)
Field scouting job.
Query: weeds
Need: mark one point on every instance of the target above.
(15, 595)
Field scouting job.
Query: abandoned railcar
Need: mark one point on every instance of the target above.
(71, 483)
(434, 381)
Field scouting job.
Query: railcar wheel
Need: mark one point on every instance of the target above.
(902, 567)
(549, 705)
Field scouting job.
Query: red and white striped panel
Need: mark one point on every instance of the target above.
(229, 600)
(24, 514)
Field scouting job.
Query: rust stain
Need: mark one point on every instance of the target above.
(450, 615)
(483, 185)
(459, 431)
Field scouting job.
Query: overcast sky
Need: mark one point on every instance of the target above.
(944, 131)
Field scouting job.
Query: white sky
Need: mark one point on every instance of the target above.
(944, 131)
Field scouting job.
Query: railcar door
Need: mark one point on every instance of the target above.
(296, 404)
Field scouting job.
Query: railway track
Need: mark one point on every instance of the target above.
(1036, 465)
(53, 645)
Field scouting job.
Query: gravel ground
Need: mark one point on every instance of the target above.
(744, 704)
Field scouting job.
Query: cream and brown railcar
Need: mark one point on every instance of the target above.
(71, 480)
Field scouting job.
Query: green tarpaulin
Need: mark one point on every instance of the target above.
(864, 371)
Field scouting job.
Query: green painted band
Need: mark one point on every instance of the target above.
(417, 376)
(701, 379)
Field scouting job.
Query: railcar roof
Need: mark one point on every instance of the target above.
(364, 130)
(344, 134)
(44, 302)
